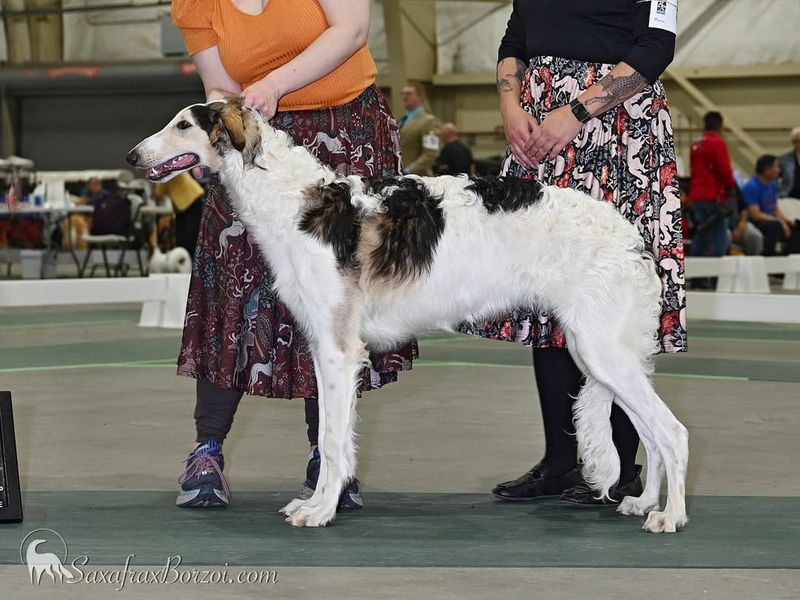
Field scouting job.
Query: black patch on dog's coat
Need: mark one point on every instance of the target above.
(332, 218)
(506, 193)
(408, 231)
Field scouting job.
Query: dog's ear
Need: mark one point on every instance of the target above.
(207, 115)
(222, 121)
(253, 153)
(232, 119)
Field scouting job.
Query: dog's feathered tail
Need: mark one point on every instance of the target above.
(592, 412)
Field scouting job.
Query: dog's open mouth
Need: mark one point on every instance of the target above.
(179, 163)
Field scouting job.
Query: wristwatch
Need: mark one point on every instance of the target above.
(579, 110)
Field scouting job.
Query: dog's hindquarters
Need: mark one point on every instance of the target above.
(611, 329)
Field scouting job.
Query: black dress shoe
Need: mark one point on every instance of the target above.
(584, 496)
(535, 484)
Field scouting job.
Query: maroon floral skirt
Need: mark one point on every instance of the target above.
(237, 334)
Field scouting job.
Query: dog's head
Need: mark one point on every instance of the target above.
(201, 134)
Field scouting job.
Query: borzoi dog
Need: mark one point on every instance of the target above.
(374, 264)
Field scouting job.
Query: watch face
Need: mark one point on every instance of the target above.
(580, 112)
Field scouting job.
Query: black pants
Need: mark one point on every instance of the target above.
(215, 409)
(773, 233)
(558, 381)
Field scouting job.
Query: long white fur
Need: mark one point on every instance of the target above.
(567, 253)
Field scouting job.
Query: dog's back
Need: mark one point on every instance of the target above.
(411, 239)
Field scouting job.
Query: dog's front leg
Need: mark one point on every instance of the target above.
(336, 385)
(316, 497)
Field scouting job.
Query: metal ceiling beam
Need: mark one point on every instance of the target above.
(32, 12)
(690, 30)
(752, 148)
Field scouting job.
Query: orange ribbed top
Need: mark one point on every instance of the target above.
(251, 46)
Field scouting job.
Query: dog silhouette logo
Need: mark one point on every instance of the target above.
(40, 561)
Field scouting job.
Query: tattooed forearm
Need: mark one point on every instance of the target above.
(617, 89)
(504, 85)
(504, 82)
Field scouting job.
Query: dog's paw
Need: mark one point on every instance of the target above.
(294, 506)
(664, 522)
(311, 517)
(631, 505)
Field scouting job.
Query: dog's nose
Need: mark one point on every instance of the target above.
(133, 157)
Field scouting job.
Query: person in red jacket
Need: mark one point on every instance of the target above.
(712, 184)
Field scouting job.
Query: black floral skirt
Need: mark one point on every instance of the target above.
(626, 157)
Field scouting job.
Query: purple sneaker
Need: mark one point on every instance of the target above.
(203, 484)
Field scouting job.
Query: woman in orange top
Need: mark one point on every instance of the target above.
(305, 65)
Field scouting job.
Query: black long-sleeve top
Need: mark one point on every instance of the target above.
(607, 31)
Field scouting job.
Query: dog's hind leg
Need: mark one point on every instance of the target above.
(623, 372)
(596, 448)
(649, 500)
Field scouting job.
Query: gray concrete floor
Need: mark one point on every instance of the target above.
(104, 421)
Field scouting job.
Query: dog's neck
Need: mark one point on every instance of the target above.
(277, 165)
(270, 193)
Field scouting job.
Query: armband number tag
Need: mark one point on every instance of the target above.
(430, 141)
(664, 15)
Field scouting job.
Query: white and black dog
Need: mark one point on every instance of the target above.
(363, 264)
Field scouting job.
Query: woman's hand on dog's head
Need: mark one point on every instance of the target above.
(262, 96)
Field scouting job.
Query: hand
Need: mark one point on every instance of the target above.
(787, 229)
(263, 96)
(557, 130)
(738, 233)
(517, 126)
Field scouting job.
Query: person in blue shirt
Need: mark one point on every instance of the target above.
(761, 195)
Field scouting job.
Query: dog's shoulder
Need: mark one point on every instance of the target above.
(507, 194)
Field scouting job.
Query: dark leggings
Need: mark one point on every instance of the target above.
(213, 414)
(559, 380)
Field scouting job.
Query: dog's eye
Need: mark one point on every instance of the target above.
(183, 124)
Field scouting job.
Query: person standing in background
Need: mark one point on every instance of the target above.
(790, 168)
(711, 188)
(419, 132)
(186, 196)
(455, 157)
